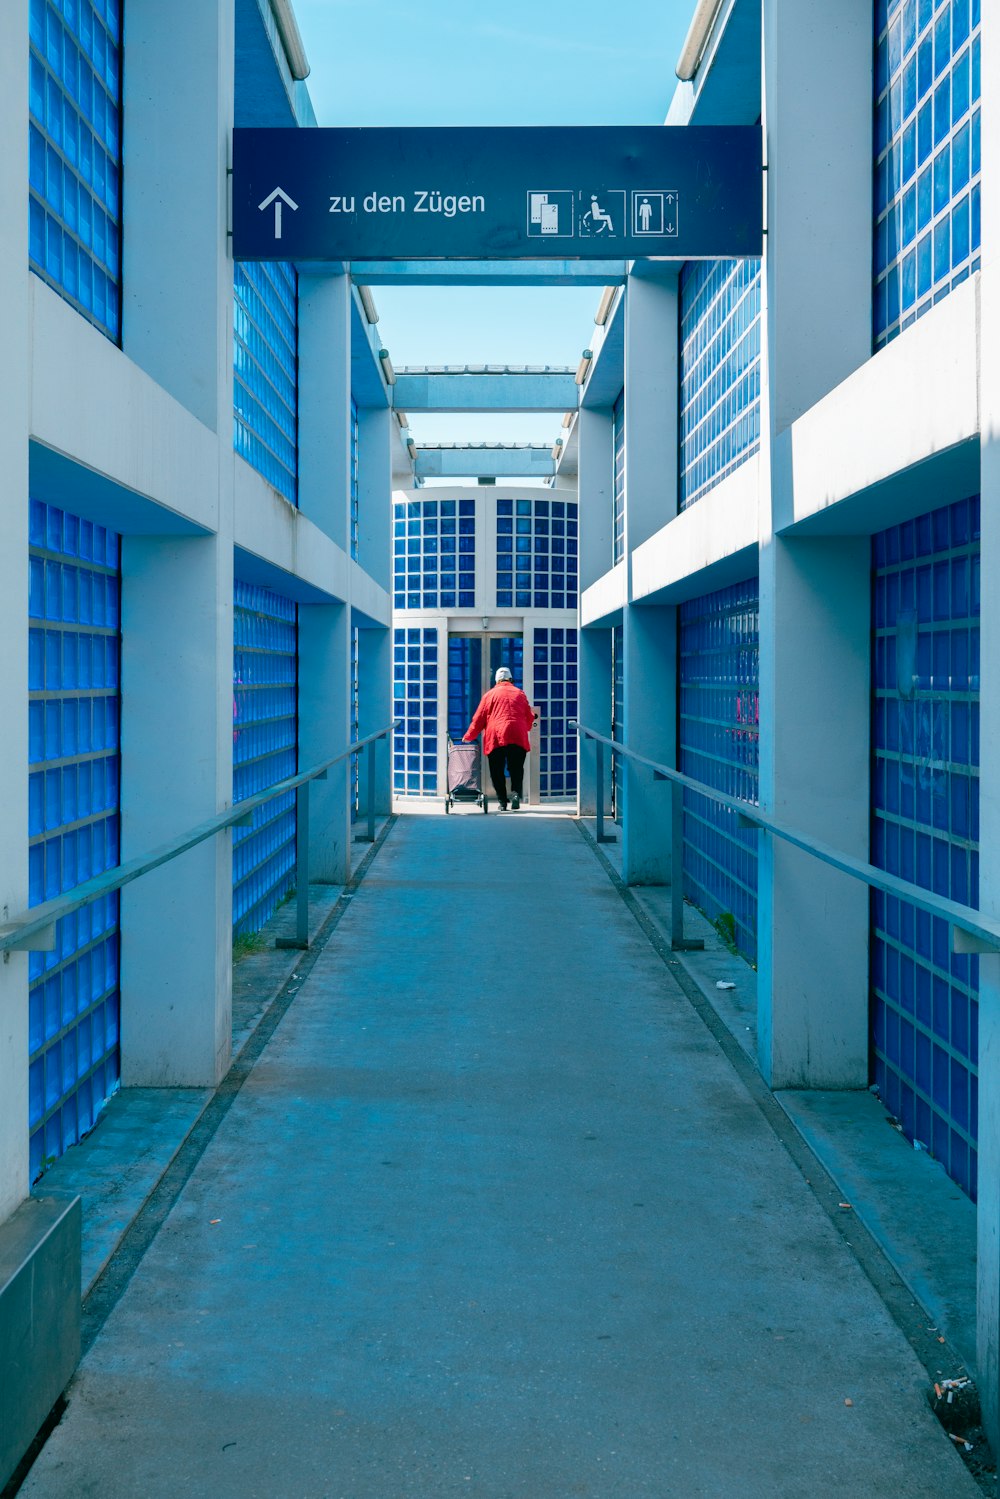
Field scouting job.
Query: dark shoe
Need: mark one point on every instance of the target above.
(502, 806)
(515, 802)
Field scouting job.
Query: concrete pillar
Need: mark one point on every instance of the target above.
(14, 412)
(649, 642)
(595, 495)
(376, 709)
(177, 625)
(325, 404)
(814, 595)
(375, 493)
(325, 728)
(177, 736)
(988, 1330)
(176, 274)
(649, 637)
(595, 701)
(817, 110)
(812, 987)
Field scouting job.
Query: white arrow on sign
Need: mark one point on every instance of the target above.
(278, 197)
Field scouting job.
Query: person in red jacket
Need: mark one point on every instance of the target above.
(504, 718)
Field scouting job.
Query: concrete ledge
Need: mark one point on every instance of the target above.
(708, 546)
(887, 470)
(39, 1318)
(603, 601)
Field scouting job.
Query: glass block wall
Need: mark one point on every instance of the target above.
(265, 363)
(718, 743)
(555, 697)
(415, 692)
(265, 749)
(537, 554)
(75, 154)
(720, 371)
(618, 480)
(925, 826)
(74, 656)
(927, 163)
(617, 716)
(434, 554)
(355, 492)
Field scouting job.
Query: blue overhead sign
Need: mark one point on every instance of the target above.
(498, 193)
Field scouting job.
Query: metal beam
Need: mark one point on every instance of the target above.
(481, 461)
(488, 272)
(493, 392)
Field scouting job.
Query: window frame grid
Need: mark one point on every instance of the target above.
(925, 825)
(265, 723)
(721, 632)
(917, 204)
(63, 1108)
(424, 533)
(555, 658)
(719, 331)
(618, 480)
(265, 371)
(531, 532)
(416, 698)
(82, 163)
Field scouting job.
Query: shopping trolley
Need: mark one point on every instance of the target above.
(465, 774)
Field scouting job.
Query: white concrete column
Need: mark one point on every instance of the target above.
(818, 95)
(325, 405)
(595, 493)
(988, 1312)
(812, 987)
(649, 636)
(375, 711)
(325, 728)
(176, 272)
(14, 389)
(375, 493)
(595, 702)
(649, 642)
(814, 595)
(177, 621)
(177, 737)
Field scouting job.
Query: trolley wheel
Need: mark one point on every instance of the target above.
(486, 804)
(447, 804)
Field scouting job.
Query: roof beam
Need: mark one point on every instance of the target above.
(488, 272)
(483, 461)
(495, 392)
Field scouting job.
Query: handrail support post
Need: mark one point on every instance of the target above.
(601, 835)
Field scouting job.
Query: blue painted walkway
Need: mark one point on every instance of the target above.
(493, 1216)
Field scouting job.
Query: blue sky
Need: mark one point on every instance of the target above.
(526, 62)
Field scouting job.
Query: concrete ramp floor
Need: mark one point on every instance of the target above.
(494, 1217)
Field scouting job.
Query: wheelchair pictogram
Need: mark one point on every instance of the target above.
(601, 214)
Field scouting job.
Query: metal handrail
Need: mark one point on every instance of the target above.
(971, 930)
(35, 929)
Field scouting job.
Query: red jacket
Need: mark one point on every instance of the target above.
(503, 717)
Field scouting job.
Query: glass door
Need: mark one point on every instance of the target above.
(472, 664)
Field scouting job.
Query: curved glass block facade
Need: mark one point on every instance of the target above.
(556, 692)
(720, 371)
(415, 694)
(265, 749)
(434, 554)
(925, 826)
(927, 156)
(74, 659)
(75, 153)
(265, 365)
(537, 554)
(618, 480)
(718, 741)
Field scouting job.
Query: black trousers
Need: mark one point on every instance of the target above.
(514, 755)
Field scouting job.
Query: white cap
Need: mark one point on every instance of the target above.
(503, 675)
